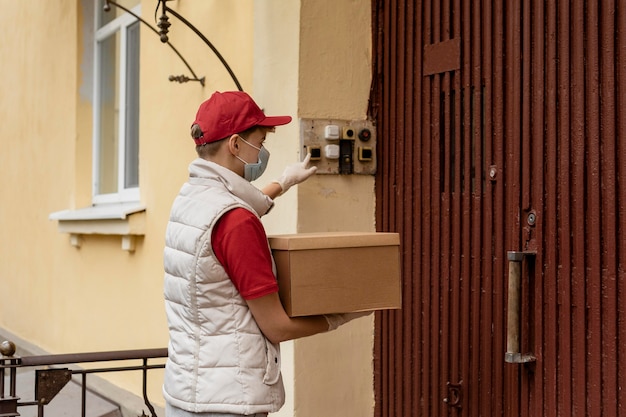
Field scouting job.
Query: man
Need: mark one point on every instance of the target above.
(224, 315)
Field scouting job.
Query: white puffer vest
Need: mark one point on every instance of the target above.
(219, 361)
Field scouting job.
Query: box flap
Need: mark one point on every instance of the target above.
(302, 241)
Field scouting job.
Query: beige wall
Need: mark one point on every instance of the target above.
(334, 371)
(275, 85)
(298, 58)
(37, 136)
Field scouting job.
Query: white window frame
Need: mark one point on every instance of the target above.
(120, 24)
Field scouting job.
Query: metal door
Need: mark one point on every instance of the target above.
(572, 84)
(498, 134)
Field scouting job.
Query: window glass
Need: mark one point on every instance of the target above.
(116, 106)
(108, 116)
(131, 166)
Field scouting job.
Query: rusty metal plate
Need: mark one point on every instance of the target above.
(48, 383)
(442, 57)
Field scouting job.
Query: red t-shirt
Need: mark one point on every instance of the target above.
(240, 245)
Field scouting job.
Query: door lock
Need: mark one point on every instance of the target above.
(455, 394)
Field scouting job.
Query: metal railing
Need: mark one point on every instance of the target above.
(50, 378)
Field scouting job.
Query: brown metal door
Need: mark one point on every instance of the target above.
(439, 101)
(572, 91)
(498, 132)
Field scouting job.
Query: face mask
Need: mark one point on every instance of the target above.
(253, 171)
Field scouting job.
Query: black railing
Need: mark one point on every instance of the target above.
(50, 378)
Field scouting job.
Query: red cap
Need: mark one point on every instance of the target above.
(231, 112)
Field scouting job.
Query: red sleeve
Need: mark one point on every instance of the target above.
(240, 245)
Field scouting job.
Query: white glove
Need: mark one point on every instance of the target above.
(296, 173)
(336, 320)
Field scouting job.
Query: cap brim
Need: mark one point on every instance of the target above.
(275, 121)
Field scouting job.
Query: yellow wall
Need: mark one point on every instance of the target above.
(334, 371)
(275, 85)
(310, 59)
(37, 136)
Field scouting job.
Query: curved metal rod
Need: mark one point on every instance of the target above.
(145, 388)
(195, 77)
(209, 44)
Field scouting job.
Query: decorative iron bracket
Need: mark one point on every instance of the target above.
(179, 78)
(164, 26)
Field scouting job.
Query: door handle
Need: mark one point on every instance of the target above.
(514, 311)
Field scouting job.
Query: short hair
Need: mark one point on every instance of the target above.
(207, 149)
(210, 149)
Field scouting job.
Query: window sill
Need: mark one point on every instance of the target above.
(127, 220)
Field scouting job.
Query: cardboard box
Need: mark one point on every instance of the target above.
(322, 273)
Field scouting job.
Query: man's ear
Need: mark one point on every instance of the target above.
(233, 144)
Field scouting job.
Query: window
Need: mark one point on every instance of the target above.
(116, 104)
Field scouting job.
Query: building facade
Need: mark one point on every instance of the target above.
(96, 145)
